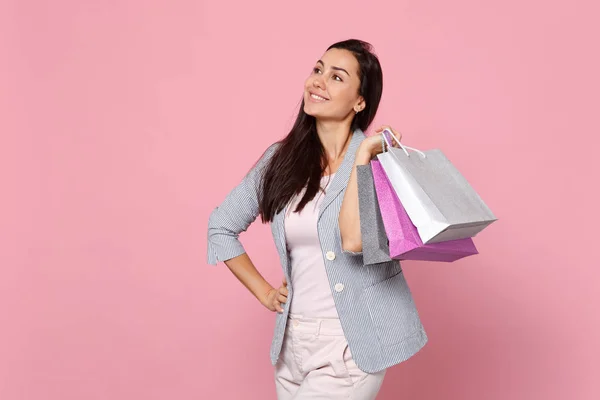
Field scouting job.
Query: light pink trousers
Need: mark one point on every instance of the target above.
(315, 363)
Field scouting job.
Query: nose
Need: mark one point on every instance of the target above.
(318, 83)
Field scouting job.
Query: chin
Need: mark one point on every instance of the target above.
(310, 111)
(322, 116)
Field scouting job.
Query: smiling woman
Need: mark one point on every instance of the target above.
(342, 94)
(340, 323)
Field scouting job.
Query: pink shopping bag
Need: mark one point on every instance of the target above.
(404, 240)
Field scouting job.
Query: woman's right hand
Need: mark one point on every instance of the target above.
(275, 297)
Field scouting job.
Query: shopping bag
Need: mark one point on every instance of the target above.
(437, 197)
(404, 240)
(374, 240)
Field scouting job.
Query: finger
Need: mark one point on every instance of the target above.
(283, 291)
(282, 299)
(396, 133)
(388, 139)
(393, 140)
(284, 281)
(278, 307)
(384, 127)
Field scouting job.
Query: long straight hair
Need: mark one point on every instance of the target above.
(300, 159)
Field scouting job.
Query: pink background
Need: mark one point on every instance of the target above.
(123, 123)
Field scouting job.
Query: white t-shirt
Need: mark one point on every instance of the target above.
(312, 294)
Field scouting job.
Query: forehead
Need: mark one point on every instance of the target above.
(341, 58)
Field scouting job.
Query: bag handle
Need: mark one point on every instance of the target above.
(403, 147)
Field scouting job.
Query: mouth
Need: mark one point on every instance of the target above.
(316, 98)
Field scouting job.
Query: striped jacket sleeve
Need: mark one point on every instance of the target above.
(235, 214)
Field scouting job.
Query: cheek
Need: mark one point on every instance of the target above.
(308, 83)
(344, 95)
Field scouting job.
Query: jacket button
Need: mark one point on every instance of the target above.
(339, 287)
(330, 255)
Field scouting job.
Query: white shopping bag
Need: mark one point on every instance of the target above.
(437, 198)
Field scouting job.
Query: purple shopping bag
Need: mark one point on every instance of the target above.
(404, 240)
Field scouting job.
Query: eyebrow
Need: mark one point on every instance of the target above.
(335, 68)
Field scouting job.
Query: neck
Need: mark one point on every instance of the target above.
(335, 137)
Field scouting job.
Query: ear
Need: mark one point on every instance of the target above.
(360, 104)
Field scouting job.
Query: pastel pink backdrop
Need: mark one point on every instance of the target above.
(124, 123)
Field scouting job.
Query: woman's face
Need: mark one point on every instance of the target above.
(331, 90)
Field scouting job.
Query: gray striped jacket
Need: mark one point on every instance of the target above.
(374, 303)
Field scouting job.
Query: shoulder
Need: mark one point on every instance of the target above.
(261, 164)
(268, 154)
(359, 136)
(270, 151)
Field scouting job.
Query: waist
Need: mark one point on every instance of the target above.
(315, 326)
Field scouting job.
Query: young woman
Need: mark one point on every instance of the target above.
(339, 323)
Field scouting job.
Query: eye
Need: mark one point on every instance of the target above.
(316, 70)
(337, 78)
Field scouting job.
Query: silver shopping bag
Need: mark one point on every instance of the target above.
(438, 199)
(375, 247)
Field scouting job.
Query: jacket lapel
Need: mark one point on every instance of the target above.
(278, 229)
(342, 176)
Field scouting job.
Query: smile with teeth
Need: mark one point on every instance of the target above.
(317, 97)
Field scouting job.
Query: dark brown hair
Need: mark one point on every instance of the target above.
(299, 160)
